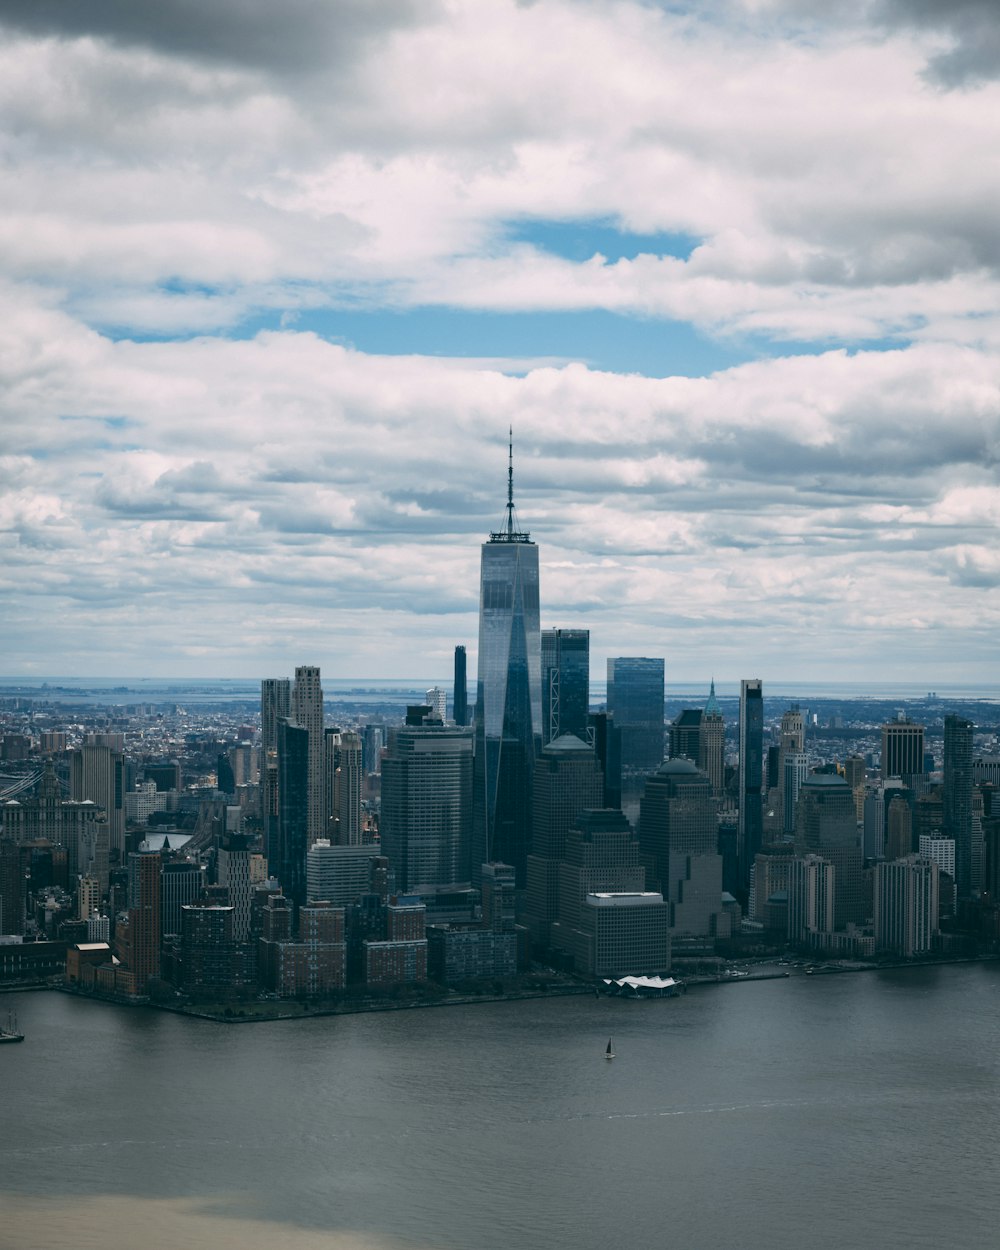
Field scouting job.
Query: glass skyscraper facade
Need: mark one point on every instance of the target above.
(565, 682)
(751, 816)
(508, 694)
(635, 699)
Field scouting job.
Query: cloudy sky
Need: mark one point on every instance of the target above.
(275, 278)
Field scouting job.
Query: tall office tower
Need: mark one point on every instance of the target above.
(635, 699)
(768, 901)
(899, 826)
(791, 741)
(81, 827)
(978, 840)
(750, 828)
(11, 889)
(233, 868)
(606, 738)
(568, 779)
(348, 779)
(678, 837)
(269, 804)
(873, 842)
(426, 820)
(601, 854)
(855, 774)
(684, 735)
(275, 705)
(437, 700)
(373, 740)
(826, 825)
(565, 682)
(508, 693)
(459, 691)
(958, 797)
(812, 882)
(292, 842)
(903, 750)
(941, 851)
(307, 712)
(796, 771)
(143, 918)
(906, 898)
(713, 742)
(97, 773)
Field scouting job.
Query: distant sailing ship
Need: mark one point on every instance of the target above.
(10, 1033)
(610, 1052)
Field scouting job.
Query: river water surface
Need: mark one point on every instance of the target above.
(828, 1112)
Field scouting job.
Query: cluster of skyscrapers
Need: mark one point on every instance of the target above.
(525, 827)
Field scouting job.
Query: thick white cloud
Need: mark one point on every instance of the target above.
(231, 505)
(225, 506)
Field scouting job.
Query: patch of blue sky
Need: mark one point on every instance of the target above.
(580, 240)
(603, 340)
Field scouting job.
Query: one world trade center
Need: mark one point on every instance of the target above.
(509, 691)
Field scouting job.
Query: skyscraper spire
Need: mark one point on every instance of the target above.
(509, 533)
(510, 481)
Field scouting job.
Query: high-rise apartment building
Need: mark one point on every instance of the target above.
(233, 869)
(907, 905)
(11, 889)
(812, 882)
(508, 693)
(565, 682)
(143, 918)
(437, 700)
(635, 699)
(958, 797)
(307, 712)
(796, 770)
(750, 828)
(344, 785)
(791, 741)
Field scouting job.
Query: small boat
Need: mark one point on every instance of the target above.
(10, 1033)
(610, 1052)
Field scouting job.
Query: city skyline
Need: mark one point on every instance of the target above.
(275, 290)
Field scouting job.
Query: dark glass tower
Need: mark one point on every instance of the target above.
(751, 818)
(293, 810)
(565, 682)
(958, 797)
(508, 692)
(459, 697)
(635, 699)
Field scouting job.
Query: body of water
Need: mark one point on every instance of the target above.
(122, 691)
(828, 1112)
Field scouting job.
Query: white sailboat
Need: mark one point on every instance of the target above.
(610, 1052)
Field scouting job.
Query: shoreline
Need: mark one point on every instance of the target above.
(251, 1013)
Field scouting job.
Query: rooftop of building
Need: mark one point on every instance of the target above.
(567, 742)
